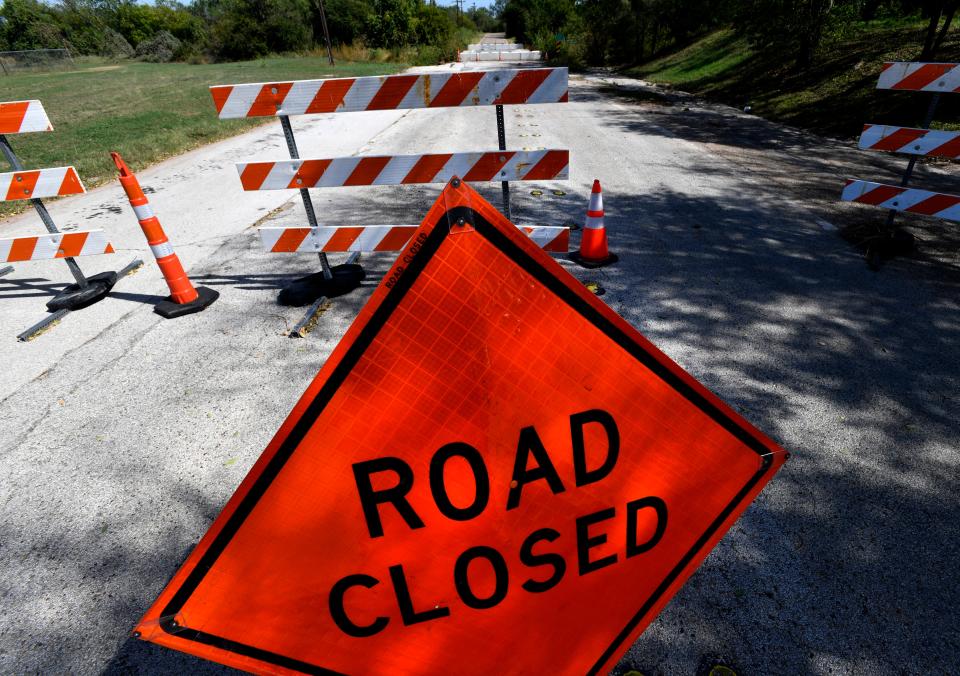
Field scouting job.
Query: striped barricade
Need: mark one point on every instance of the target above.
(508, 56)
(59, 245)
(897, 198)
(392, 92)
(378, 238)
(909, 141)
(24, 185)
(920, 77)
(934, 78)
(19, 117)
(525, 165)
(494, 46)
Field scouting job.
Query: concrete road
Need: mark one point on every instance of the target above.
(122, 435)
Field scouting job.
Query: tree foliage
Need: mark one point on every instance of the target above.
(226, 29)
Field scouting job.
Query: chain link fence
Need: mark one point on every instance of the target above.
(35, 60)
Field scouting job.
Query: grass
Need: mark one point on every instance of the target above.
(834, 97)
(145, 111)
(715, 55)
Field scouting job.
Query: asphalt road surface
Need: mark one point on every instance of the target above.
(122, 434)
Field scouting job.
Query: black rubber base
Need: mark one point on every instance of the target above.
(306, 290)
(170, 310)
(74, 298)
(897, 243)
(582, 262)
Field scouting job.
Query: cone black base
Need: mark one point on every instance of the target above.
(306, 290)
(586, 263)
(171, 310)
(73, 297)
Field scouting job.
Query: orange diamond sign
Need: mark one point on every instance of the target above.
(493, 473)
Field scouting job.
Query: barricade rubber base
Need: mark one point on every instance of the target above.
(585, 263)
(170, 310)
(889, 246)
(308, 289)
(74, 298)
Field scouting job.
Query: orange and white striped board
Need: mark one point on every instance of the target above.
(501, 165)
(391, 92)
(898, 198)
(373, 238)
(20, 117)
(920, 77)
(23, 185)
(909, 141)
(60, 245)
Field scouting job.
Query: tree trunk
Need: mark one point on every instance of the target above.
(947, 20)
(868, 11)
(641, 38)
(817, 12)
(931, 35)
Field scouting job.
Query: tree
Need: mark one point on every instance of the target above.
(392, 23)
(246, 29)
(347, 20)
(28, 24)
(933, 40)
(792, 27)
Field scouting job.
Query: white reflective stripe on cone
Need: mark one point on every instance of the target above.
(594, 223)
(161, 250)
(143, 212)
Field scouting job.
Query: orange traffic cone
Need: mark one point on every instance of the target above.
(184, 298)
(593, 244)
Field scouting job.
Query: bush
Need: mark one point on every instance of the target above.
(347, 21)
(246, 29)
(433, 26)
(428, 55)
(115, 46)
(392, 23)
(161, 48)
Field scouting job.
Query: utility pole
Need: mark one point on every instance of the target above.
(326, 32)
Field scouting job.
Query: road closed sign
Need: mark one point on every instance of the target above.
(492, 474)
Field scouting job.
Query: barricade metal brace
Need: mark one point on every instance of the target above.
(935, 78)
(409, 91)
(908, 173)
(42, 211)
(304, 192)
(29, 116)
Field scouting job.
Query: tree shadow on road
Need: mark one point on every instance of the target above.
(838, 563)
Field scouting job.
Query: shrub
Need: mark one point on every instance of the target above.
(115, 46)
(161, 48)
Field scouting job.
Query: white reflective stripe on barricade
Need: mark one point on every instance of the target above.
(372, 238)
(467, 88)
(60, 245)
(920, 77)
(22, 185)
(897, 198)
(506, 165)
(20, 117)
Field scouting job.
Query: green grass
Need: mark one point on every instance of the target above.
(145, 111)
(713, 56)
(836, 96)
